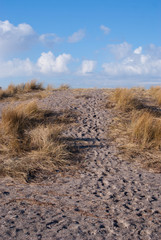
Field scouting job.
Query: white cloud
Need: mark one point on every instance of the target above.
(50, 39)
(144, 58)
(15, 38)
(138, 50)
(105, 29)
(16, 67)
(48, 63)
(135, 65)
(154, 51)
(76, 36)
(120, 50)
(87, 67)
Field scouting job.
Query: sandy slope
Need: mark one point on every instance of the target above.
(110, 199)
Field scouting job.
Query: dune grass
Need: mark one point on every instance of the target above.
(14, 90)
(16, 120)
(9, 92)
(64, 87)
(32, 85)
(146, 129)
(50, 87)
(156, 93)
(25, 90)
(28, 143)
(136, 127)
(126, 99)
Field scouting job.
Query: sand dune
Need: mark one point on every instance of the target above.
(106, 198)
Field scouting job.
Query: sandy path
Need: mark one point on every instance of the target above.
(111, 199)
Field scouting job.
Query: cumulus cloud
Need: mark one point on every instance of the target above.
(138, 50)
(120, 50)
(48, 63)
(136, 64)
(76, 36)
(50, 39)
(15, 38)
(154, 51)
(105, 29)
(87, 67)
(16, 67)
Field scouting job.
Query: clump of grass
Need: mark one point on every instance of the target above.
(19, 92)
(136, 128)
(126, 99)
(146, 129)
(156, 93)
(15, 121)
(64, 87)
(9, 92)
(27, 143)
(46, 146)
(14, 90)
(155, 89)
(50, 87)
(33, 85)
(2, 94)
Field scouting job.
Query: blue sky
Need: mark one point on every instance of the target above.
(101, 43)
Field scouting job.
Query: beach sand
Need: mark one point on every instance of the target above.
(105, 198)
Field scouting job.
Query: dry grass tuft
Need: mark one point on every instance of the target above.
(64, 87)
(28, 143)
(136, 126)
(156, 93)
(33, 85)
(25, 90)
(9, 92)
(2, 94)
(46, 146)
(15, 91)
(146, 129)
(155, 89)
(126, 99)
(50, 87)
(15, 121)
